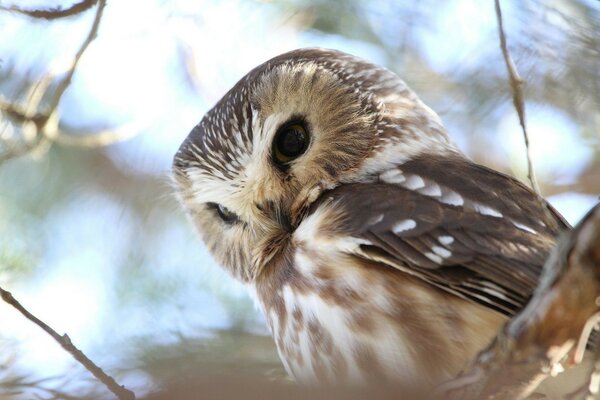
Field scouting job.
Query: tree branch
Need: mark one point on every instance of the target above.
(40, 120)
(66, 81)
(99, 138)
(516, 85)
(52, 13)
(120, 391)
(554, 327)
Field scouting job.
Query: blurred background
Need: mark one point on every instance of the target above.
(91, 238)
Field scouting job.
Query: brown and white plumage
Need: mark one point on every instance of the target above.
(378, 251)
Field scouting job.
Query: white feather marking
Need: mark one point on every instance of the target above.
(404, 225)
(334, 320)
(440, 251)
(524, 227)
(485, 210)
(309, 228)
(374, 220)
(414, 182)
(392, 176)
(445, 239)
(433, 189)
(495, 293)
(491, 288)
(304, 264)
(434, 257)
(452, 198)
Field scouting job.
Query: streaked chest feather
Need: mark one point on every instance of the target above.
(340, 320)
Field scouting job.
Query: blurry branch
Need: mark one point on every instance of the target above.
(516, 85)
(121, 392)
(52, 13)
(97, 139)
(40, 129)
(553, 328)
(66, 81)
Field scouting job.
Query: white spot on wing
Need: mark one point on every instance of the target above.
(374, 220)
(445, 239)
(452, 198)
(414, 182)
(440, 251)
(434, 257)
(392, 176)
(485, 210)
(524, 227)
(404, 225)
(495, 293)
(433, 189)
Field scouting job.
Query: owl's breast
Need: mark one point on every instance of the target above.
(338, 319)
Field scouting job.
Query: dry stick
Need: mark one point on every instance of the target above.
(52, 13)
(516, 85)
(555, 324)
(121, 392)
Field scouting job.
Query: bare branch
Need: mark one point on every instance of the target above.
(555, 324)
(97, 139)
(20, 115)
(66, 81)
(120, 391)
(516, 85)
(52, 13)
(27, 115)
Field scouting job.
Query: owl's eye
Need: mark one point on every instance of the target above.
(226, 215)
(290, 142)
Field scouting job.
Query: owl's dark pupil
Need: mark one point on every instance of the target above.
(291, 142)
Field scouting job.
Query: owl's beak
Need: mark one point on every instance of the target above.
(276, 213)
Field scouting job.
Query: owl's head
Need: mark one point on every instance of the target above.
(300, 124)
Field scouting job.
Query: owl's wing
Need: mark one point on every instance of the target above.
(459, 226)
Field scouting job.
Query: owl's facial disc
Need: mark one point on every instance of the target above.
(301, 123)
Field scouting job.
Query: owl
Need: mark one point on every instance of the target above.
(375, 249)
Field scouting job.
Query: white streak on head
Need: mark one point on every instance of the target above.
(404, 225)
(440, 251)
(392, 176)
(414, 182)
(485, 210)
(452, 198)
(445, 239)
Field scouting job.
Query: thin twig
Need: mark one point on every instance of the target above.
(41, 119)
(52, 13)
(120, 391)
(98, 138)
(20, 115)
(66, 81)
(516, 85)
